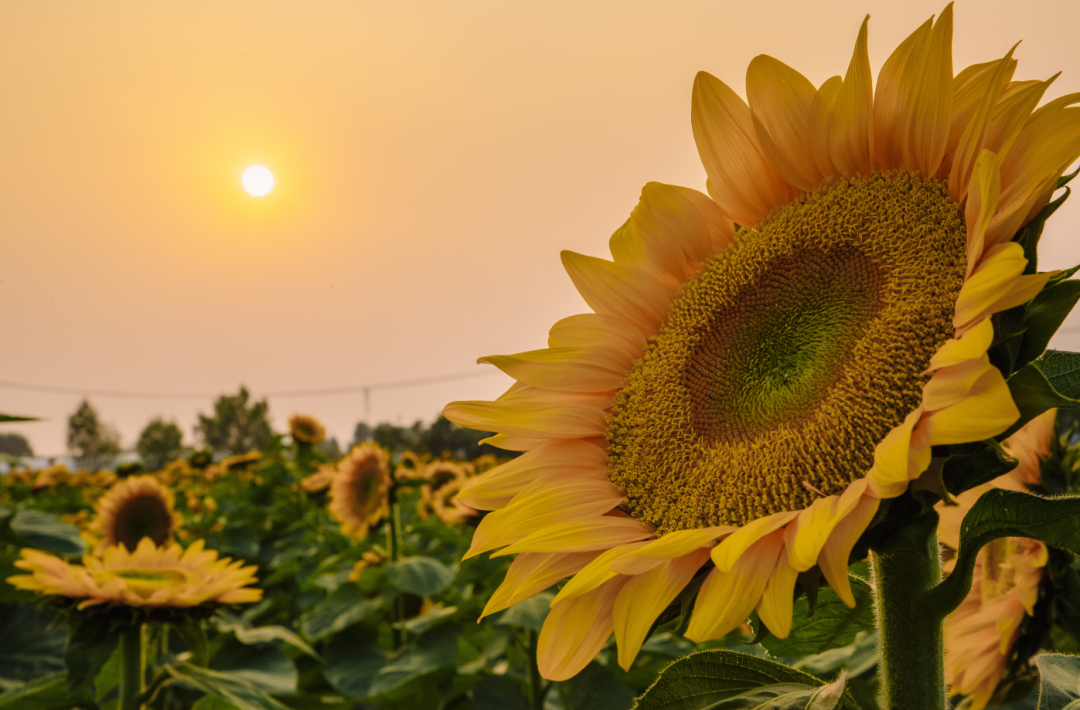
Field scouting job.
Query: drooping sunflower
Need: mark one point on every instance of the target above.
(320, 480)
(440, 495)
(359, 491)
(138, 507)
(306, 429)
(749, 394)
(980, 634)
(151, 576)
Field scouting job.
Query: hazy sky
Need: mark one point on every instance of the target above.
(431, 158)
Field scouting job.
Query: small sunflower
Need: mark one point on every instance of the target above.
(151, 576)
(138, 507)
(749, 394)
(359, 491)
(980, 634)
(320, 480)
(439, 495)
(307, 429)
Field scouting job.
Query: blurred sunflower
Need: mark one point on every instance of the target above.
(136, 508)
(151, 576)
(980, 634)
(440, 495)
(306, 429)
(359, 491)
(750, 396)
(320, 480)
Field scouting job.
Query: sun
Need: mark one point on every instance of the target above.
(258, 180)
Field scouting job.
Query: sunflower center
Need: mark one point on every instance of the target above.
(142, 516)
(784, 363)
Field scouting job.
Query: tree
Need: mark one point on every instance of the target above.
(398, 438)
(444, 435)
(89, 440)
(15, 445)
(159, 443)
(362, 434)
(236, 427)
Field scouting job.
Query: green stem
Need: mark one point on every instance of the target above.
(132, 667)
(536, 687)
(393, 545)
(911, 637)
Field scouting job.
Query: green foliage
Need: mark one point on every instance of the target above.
(443, 436)
(1051, 381)
(832, 625)
(422, 576)
(41, 531)
(159, 443)
(14, 444)
(14, 418)
(31, 647)
(1059, 687)
(237, 426)
(49, 692)
(89, 440)
(226, 686)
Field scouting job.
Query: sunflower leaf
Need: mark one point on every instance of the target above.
(45, 693)
(1029, 236)
(227, 686)
(1051, 381)
(975, 464)
(1001, 513)
(345, 607)
(1062, 371)
(728, 680)
(1059, 684)
(422, 576)
(91, 643)
(1043, 316)
(833, 624)
(15, 418)
(41, 531)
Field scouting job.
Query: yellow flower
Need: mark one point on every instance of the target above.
(359, 491)
(136, 508)
(306, 429)
(980, 634)
(750, 395)
(319, 480)
(371, 558)
(439, 497)
(150, 576)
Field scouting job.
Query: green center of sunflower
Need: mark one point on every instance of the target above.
(145, 582)
(139, 517)
(784, 363)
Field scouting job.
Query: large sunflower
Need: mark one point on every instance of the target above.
(136, 508)
(151, 576)
(750, 394)
(360, 488)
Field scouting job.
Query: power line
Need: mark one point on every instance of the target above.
(321, 392)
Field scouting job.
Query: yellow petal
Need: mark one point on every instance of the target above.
(775, 608)
(552, 421)
(573, 369)
(973, 139)
(560, 458)
(741, 179)
(669, 546)
(727, 598)
(599, 533)
(575, 632)
(735, 545)
(595, 330)
(930, 111)
(805, 536)
(533, 572)
(645, 596)
(892, 100)
(837, 550)
(851, 144)
(952, 384)
(596, 573)
(981, 205)
(969, 88)
(780, 100)
(541, 505)
(897, 460)
(974, 344)
(617, 290)
(987, 411)
(513, 443)
(821, 119)
(997, 285)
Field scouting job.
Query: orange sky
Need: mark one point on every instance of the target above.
(431, 160)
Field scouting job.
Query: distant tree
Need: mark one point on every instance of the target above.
(159, 443)
(330, 448)
(15, 445)
(89, 440)
(443, 435)
(362, 434)
(399, 438)
(236, 427)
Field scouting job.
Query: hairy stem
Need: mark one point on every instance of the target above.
(910, 636)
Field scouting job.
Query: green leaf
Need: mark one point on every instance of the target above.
(595, 688)
(213, 702)
(436, 616)
(528, 614)
(30, 648)
(705, 679)
(228, 623)
(265, 667)
(1059, 681)
(351, 667)
(431, 653)
(1043, 316)
(1001, 513)
(499, 692)
(1028, 237)
(45, 693)
(833, 624)
(1034, 393)
(964, 471)
(422, 576)
(226, 686)
(344, 608)
(16, 418)
(192, 633)
(90, 643)
(1062, 371)
(44, 531)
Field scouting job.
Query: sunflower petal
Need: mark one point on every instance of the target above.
(728, 552)
(573, 369)
(551, 421)
(892, 100)
(741, 179)
(574, 632)
(851, 144)
(596, 573)
(600, 533)
(618, 290)
(974, 344)
(997, 285)
(973, 139)
(533, 572)
(987, 411)
(834, 557)
(930, 113)
(822, 115)
(780, 100)
(776, 605)
(806, 535)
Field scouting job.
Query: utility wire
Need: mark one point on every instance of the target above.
(322, 392)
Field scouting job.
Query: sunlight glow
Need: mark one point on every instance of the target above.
(258, 180)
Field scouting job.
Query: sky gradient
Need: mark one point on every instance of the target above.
(431, 161)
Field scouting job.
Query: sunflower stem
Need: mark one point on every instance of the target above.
(393, 545)
(911, 637)
(132, 667)
(536, 687)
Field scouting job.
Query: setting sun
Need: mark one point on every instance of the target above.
(258, 180)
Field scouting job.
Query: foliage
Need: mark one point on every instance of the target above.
(14, 444)
(237, 426)
(89, 440)
(159, 443)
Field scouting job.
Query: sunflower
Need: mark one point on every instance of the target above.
(320, 480)
(151, 576)
(306, 429)
(980, 634)
(749, 394)
(138, 507)
(359, 491)
(440, 495)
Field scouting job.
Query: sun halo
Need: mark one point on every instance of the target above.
(257, 180)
